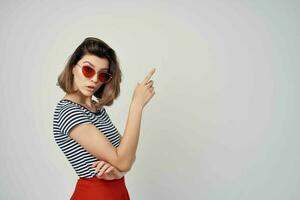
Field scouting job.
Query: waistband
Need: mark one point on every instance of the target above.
(97, 180)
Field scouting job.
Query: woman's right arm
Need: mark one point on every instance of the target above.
(96, 143)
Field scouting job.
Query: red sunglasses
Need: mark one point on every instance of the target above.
(89, 72)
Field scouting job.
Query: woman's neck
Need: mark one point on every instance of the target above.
(86, 101)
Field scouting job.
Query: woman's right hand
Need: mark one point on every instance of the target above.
(106, 171)
(144, 91)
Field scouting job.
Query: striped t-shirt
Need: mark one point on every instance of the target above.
(69, 114)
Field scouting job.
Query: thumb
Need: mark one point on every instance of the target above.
(94, 164)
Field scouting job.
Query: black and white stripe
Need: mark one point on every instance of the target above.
(68, 114)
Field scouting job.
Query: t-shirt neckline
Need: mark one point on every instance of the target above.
(82, 105)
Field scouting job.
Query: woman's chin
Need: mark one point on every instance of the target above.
(87, 93)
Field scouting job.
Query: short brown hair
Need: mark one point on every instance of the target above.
(94, 46)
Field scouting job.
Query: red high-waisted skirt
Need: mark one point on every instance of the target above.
(98, 189)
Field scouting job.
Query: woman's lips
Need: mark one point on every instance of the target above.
(91, 88)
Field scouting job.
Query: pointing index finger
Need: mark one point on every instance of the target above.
(149, 75)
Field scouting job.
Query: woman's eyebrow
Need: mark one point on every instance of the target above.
(94, 65)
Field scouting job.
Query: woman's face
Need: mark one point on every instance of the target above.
(81, 83)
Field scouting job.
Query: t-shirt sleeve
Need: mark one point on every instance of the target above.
(71, 116)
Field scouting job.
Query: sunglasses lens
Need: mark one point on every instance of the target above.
(104, 77)
(88, 71)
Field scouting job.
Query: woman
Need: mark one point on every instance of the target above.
(82, 128)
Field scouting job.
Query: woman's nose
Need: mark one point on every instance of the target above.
(95, 78)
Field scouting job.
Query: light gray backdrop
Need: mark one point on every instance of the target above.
(224, 123)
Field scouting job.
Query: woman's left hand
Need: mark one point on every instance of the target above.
(106, 171)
